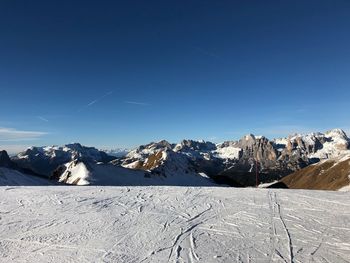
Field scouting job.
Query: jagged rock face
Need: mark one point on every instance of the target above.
(315, 146)
(308, 144)
(191, 145)
(142, 152)
(197, 151)
(257, 149)
(162, 162)
(339, 138)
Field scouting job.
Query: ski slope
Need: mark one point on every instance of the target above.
(172, 224)
(12, 177)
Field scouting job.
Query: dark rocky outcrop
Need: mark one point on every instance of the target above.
(5, 160)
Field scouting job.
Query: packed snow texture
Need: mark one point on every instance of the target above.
(172, 224)
(13, 177)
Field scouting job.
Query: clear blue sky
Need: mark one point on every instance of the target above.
(123, 73)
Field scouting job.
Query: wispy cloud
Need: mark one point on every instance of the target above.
(96, 100)
(10, 134)
(92, 103)
(42, 118)
(137, 103)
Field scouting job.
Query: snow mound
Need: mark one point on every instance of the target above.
(75, 173)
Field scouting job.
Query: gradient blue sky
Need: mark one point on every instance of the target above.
(123, 73)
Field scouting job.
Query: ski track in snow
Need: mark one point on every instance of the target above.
(172, 224)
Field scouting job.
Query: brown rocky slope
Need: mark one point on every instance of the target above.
(327, 175)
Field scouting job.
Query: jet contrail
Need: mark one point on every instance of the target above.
(137, 103)
(42, 118)
(100, 98)
(96, 100)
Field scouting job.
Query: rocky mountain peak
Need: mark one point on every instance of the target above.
(336, 133)
(195, 145)
(249, 137)
(5, 160)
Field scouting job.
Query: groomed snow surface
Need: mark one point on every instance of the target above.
(172, 224)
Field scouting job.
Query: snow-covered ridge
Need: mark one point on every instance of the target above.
(72, 151)
(44, 160)
(330, 144)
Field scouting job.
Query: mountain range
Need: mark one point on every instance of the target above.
(195, 163)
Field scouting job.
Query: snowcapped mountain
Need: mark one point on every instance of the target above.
(316, 145)
(80, 165)
(230, 162)
(143, 151)
(196, 149)
(44, 160)
(237, 160)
